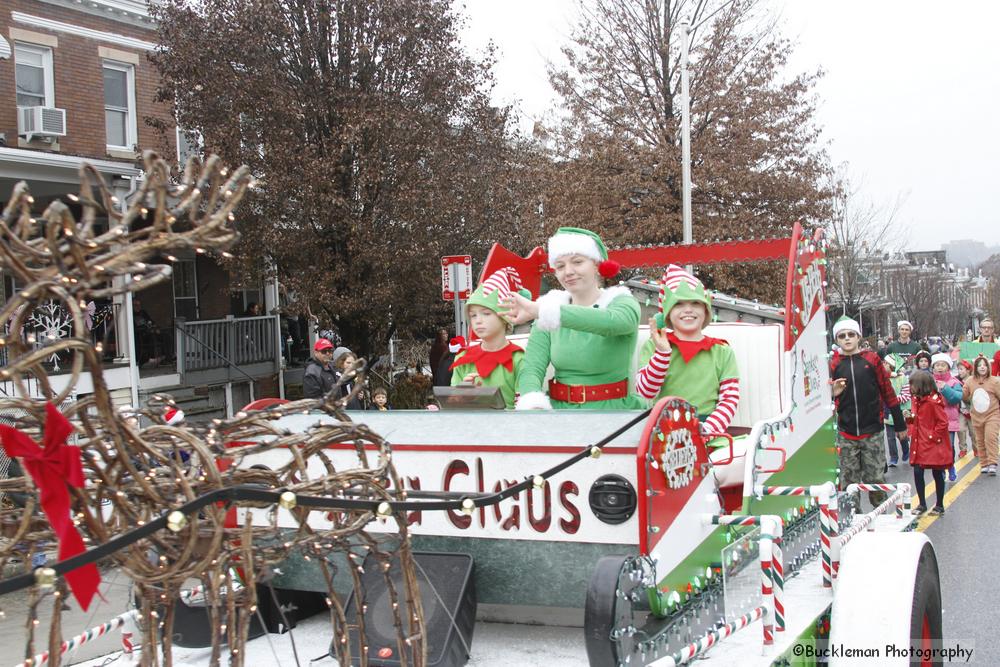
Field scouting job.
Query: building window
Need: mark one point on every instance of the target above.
(189, 142)
(119, 105)
(185, 289)
(33, 72)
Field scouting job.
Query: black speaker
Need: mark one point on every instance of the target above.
(448, 576)
(280, 611)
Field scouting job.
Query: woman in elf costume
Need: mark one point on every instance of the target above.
(588, 333)
(494, 362)
(682, 361)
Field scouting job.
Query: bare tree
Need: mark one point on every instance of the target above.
(863, 236)
(757, 163)
(991, 270)
(919, 294)
(373, 138)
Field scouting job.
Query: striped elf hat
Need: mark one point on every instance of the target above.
(498, 286)
(679, 285)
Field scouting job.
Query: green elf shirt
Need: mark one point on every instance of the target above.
(499, 368)
(696, 380)
(586, 345)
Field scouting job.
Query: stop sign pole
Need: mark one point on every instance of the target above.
(456, 285)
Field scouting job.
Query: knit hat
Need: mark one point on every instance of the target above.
(500, 285)
(846, 323)
(340, 352)
(576, 241)
(679, 285)
(922, 354)
(941, 356)
(322, 344)
(456, 344)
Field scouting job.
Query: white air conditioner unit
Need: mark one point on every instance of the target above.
(41, 122)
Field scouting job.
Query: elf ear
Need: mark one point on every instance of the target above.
(660, 322)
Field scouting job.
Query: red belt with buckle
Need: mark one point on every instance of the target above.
(585, 393)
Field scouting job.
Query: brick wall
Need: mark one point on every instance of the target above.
(79, 83)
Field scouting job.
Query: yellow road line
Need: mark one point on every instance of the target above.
(949, 497)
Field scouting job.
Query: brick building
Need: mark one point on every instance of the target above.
(76, 86)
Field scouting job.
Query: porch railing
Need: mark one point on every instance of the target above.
(231, 342)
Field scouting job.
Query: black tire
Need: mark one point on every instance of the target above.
(926, 628)
(599, 612)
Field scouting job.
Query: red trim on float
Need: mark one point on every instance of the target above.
(793, 260)
(703, 253)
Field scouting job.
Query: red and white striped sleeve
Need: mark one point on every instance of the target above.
(725, 408)
(649, 378)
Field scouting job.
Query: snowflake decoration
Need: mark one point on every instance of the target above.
(50, 322)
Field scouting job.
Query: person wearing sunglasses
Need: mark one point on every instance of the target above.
(861, 385)
(319, 376)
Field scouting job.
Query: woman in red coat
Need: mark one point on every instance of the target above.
(930, 444)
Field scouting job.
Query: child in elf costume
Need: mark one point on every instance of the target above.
(901, 385)
(493, 362)
(682, 361)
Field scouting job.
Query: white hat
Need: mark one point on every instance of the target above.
(845, 323)
(902, 322)
(941, 356)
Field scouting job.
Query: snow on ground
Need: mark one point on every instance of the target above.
(493, 645)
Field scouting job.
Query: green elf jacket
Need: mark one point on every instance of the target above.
(699, 380)
(586, 345)
(501, 369)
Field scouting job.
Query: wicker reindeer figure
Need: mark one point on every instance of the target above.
(157, 502)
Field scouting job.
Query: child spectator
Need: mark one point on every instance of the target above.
(861, 387)
(494, 362)
(922, 361)
(951, 391)
(964, 420)
(380, 399)
(682, 361)
(901, 385)
(982, 390)
(930, 443)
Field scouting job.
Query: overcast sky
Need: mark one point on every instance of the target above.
(909, 100)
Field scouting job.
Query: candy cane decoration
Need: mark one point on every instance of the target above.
(103, 629)
(778, 574)
(891, 488)
(827, 533)
(713, 637)
(869, 518)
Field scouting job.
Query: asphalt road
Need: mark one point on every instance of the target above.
(966, 540)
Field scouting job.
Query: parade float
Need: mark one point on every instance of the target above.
(626, 524)
(620, 522)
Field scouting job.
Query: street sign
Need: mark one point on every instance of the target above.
(456, 277)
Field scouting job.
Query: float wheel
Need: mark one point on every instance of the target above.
(876, 605)
(926, 626)
(600, 612)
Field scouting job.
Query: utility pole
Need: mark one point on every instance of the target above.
(686, 136)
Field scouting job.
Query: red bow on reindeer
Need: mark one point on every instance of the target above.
(53, 465)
